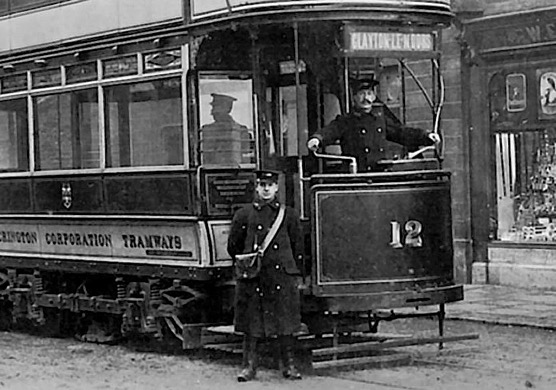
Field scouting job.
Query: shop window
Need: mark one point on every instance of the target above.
(66, 130)
(226, 135)
(144, 124)
(13, 136)
(526, 185)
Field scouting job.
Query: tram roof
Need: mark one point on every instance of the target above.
(215, 13)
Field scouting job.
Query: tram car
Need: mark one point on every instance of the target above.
(119, 176)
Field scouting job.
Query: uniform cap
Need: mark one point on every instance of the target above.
(364, 83)
(218, 98)
(267, 174)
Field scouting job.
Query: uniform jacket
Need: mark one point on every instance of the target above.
(270, 304)
(366, 136)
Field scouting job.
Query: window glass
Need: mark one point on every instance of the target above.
(13, 136)
(226, 136)
(4, 6)
(293, 124)
(526, 186)
(66, 128)
(17, 5)
(144, 124)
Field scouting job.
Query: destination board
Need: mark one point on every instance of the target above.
(362, 40)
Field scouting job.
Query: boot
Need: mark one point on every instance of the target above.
(289, 370)
(250, 360)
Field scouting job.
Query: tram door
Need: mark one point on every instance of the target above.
(286, 128)
(299, 93)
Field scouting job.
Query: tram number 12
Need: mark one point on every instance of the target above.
(412, 238)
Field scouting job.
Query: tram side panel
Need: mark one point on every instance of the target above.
(387, 244)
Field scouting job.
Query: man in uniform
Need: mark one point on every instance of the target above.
(365, 132)
(268, 306)
(225, 141)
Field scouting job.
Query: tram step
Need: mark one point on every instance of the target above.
(389, 360)
(404, 342)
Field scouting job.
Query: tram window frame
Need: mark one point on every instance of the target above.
(14, 154)
(235, 157)
(84, 154)
(131, 152)
(8, 7)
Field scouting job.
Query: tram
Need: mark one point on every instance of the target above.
(119, 175)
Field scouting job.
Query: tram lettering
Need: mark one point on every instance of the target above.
(390, 41)
(153, 241)
(8, 236)
(78, 239)
(413, 234)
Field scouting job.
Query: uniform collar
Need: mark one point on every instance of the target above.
(273, 204)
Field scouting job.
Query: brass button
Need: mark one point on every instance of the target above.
(259, 227)
(366, 150)
(275, 246)
(363, 131)
(379, 129)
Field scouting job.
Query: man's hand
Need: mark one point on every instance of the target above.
(434, 137)
(313, 144)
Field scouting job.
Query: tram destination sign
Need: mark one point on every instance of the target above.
(201, 9)
(361, 40)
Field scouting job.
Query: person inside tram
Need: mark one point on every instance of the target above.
(224, 141)
(365, 132)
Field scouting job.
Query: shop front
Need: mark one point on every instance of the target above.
(511, 68)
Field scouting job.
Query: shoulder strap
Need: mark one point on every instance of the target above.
(273, 229)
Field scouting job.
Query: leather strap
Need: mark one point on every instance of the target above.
(273, 230)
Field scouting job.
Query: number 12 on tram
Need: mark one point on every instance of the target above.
(280, 71)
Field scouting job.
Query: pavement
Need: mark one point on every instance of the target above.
(506, 305)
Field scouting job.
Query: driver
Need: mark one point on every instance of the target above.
(365, 132)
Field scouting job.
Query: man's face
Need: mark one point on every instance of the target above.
(266, 189)
(364, 99)
(220, 110)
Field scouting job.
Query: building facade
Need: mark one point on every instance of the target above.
(508, 131)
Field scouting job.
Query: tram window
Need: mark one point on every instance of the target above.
(293, 120)
(226, 135)
(144, 124)
(66, 130)
(331, 109)
(13, 136)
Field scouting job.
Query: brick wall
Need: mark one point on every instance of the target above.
(456, 153)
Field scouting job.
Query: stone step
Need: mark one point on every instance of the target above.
(520, 274)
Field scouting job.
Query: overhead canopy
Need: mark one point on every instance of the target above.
(261, 11)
